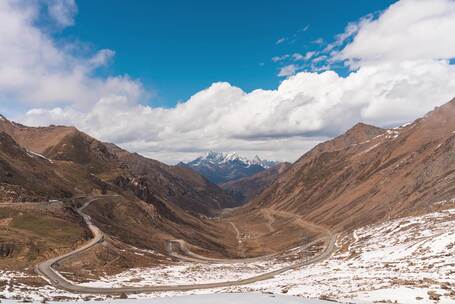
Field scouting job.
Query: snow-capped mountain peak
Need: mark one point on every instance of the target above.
(225, 157)
(224, 166)
(257, 159)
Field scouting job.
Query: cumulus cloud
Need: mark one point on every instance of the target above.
(407, 30)
(384, 89)
(303, 110)
(35, 71)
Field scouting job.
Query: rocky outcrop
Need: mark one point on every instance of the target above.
(7, 249)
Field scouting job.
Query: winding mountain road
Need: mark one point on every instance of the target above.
(46, 269)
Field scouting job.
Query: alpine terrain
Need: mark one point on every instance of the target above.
(85, 219)
(259, 152)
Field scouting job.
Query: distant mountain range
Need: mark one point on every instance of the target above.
(220, 167)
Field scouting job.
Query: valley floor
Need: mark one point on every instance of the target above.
(408, 260)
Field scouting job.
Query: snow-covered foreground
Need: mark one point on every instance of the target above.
(409, 260)
(186, 273)
(219, 298)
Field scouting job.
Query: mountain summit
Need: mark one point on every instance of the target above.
(219, 167)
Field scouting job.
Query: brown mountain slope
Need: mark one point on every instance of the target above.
(246, 188)
(370, 174)
(30, 232)
(25, 176)
(38, 139)
(69, 147)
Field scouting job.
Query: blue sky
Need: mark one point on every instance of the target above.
(177, 48)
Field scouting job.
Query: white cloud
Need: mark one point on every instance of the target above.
(280, 58)
(407, 30)
(299, 57)
(319, 59)
(386, 89)
(287, 70)
(35, 71)
(101, 58)
(350, 30)
(282, 123)
(280, 40)
(62, 11)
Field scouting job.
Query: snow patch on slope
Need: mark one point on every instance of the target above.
(33, 155)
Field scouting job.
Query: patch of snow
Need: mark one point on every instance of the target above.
(33, 154)
(401, 295)
(445, 202)
(378, 136)
(186, 273)
(405, 125)
(392, 134)
(369, 149)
